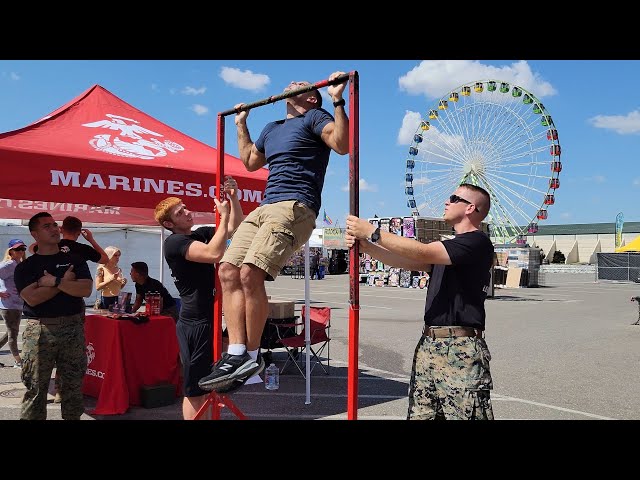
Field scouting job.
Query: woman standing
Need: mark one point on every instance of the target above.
(10, 302)
(109, 278)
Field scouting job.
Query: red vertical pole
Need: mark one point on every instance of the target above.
(218, 401)
(217, 299)
(354, 254)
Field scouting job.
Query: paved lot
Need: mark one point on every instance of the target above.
(565, 351)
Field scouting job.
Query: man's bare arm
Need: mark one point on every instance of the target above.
(433, 253)
(393, 259)
(236, 216)
(249, 154)
(34, 295)
(68, 283)
(76, 288)
(336, 134)
(137, 304)
(88, 236)
(212, 252)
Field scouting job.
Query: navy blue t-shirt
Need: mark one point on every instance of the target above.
(457, 292)
(297, 158)
(194, 280)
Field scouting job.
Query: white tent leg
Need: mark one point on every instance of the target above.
(307, 322)
(162, 255)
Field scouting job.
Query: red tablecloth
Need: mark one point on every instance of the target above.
(123, 356)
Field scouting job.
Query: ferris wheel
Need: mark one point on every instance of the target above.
(494, 135)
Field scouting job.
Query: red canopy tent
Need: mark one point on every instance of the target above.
(105, 161)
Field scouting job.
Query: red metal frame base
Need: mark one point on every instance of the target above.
(217, 401)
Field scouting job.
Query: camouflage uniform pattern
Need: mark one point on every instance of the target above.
(44, 346)
(450, 380)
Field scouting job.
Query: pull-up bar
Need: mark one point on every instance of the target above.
(282, 96)
(354, 202)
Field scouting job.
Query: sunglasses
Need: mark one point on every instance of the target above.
(455, 199)
(19, 249)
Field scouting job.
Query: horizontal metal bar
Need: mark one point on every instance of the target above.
(282, 96)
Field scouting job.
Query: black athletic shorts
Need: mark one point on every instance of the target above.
(196, 353)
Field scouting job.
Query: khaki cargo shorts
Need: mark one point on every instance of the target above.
(270, 235)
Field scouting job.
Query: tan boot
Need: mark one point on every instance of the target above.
(58, 398)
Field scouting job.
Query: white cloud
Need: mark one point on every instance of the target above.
(434, 141)
(622, 124)
(410, 124)
(11, 75)
(364, 187)
(421, 181)
(595, 179)
(193, 91)
(636, 182)
(435, 78)
(199, 109)
(246, 80)
(154, 87)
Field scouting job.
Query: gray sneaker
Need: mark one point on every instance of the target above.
(231, 367)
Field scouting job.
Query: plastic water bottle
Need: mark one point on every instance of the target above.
(272, 377)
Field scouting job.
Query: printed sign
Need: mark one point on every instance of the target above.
(333, 238)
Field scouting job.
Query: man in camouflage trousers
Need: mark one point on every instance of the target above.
(52, 284)
(450, 377)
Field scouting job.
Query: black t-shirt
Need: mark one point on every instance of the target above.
(194, 281)
(153, 285)
(457, 292)
(84, 251)
(57, 264)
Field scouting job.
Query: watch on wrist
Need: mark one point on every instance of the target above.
(57, 282)
(339, 103)
(375, 236)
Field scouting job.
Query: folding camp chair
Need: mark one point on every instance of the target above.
(319, 325)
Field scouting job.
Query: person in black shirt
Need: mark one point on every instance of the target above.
(450, 377)
(71, 230)
(191, 256)
(52, 285)
(145, 284)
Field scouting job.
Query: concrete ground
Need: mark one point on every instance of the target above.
(567, 351)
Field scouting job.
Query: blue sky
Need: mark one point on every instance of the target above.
(595, 106)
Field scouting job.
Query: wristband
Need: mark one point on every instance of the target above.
(339, 103)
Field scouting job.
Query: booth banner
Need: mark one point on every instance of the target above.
(619, 224)
(333, 238)
(25, 209)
